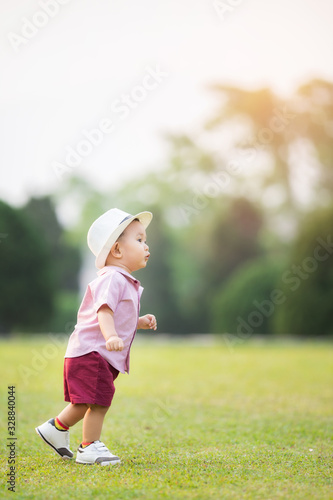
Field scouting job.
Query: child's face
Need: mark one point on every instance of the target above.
(133, 247)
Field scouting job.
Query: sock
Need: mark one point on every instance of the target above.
(84, 444)
(59, 425)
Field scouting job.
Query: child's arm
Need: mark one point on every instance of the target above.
(106, 323)
(147, 322)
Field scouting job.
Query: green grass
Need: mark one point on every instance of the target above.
(190, 421)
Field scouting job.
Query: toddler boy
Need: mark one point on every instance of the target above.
(99, 347)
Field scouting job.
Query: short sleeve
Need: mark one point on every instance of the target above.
(107, 290)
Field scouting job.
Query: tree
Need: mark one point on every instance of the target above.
(313, 105)
(233, 240)
(286, 135)
(247, 302)
(223, 239)
(27, 284)
(308, 280)
(65, 259)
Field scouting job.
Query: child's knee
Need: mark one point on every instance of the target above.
(80, 405)
(99, 408)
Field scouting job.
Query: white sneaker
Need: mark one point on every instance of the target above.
(96, 453)
(57, 439)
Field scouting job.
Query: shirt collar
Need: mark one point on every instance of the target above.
(107, 269)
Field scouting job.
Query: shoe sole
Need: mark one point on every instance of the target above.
(65, 457)
(103, 464)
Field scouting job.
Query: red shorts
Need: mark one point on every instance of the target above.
(89, 379)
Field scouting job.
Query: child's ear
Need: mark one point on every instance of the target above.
(115, 250)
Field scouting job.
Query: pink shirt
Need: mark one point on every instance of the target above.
(121, 292)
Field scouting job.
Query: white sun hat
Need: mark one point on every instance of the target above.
(105, 231)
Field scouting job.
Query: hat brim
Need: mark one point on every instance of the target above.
(145, 219)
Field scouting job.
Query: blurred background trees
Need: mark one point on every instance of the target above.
(39, 269)
(236, 207)
(27, 284)
(307, 283)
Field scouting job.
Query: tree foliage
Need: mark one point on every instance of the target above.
(247, 302)
(39, 269)
(65, 259)
(308, 279)
(27, 283)
(282, 128)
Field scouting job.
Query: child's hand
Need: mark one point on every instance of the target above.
(147, 322)
(114, 344)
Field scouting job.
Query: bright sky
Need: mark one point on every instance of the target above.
(136, 70)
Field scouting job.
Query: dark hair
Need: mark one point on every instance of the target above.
(122, 234)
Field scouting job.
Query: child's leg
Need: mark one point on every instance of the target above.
(93, 423)
(92, 450)
(72, 414)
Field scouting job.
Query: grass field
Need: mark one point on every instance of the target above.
(190, 421)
